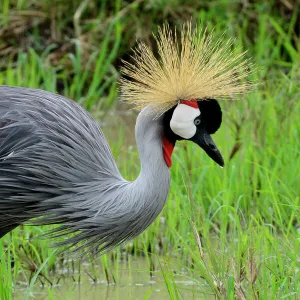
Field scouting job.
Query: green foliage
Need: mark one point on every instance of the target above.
(5, 273)
(232, 232)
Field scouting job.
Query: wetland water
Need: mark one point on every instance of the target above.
(133, 281)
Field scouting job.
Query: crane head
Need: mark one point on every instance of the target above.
(194, 121)
(192, 67)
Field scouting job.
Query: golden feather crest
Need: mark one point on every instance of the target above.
(195, 66)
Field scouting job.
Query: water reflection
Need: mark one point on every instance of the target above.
(132, 282)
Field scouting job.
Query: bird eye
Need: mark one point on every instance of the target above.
(197, 121)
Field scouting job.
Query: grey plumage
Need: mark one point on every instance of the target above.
(56, 166)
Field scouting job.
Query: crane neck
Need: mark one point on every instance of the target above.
(154, 176)
(149, 139)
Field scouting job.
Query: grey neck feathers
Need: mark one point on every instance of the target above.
(149, 134)
(149, 191)
(153, 181)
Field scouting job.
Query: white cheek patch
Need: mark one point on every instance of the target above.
(182, 121)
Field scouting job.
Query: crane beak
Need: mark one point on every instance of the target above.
(204, 140)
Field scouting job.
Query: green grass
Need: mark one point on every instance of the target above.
(233, 232)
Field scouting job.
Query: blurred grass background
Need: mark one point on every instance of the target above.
(233, 232)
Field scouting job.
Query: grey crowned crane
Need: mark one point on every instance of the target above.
(56, 166)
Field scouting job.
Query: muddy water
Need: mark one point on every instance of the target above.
(132, 282)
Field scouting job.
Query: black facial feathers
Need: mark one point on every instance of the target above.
(211, 114)
(211, 118)
(168, 133)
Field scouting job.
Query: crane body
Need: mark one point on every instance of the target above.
(55, 162)
(56, 166)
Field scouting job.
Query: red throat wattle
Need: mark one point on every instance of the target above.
(167, 151)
